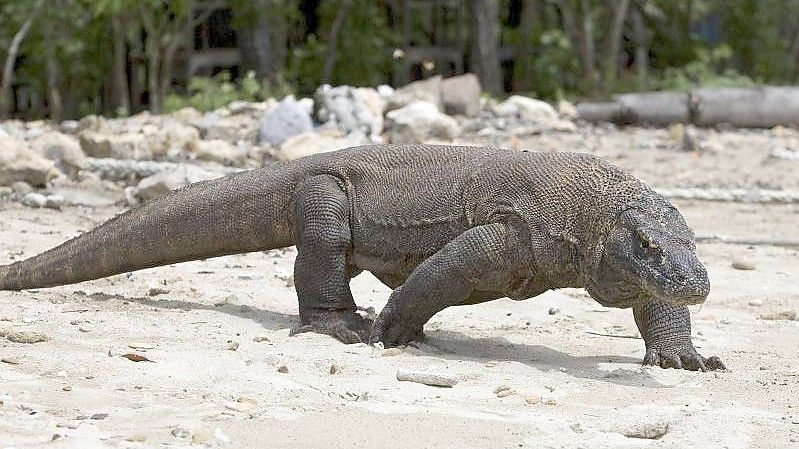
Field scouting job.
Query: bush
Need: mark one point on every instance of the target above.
(209, 93)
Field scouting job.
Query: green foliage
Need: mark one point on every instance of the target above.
(549, 67)
(209, 93)
(709, 69)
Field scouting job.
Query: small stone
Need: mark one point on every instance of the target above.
(67, 388)
(137, 438)
(67, 425)
(756, 302)
(260, 338)
(283, 369)
(140, 345)
(229, 299)
(10, 361)
(743, 265)
(505, 393)
(500, 388)
(651, 431)
(785, 315)
(201, 437)
(21, 188)
(246, 404)
(554, 310)
(99, 416)
(334, 369)
(234, 345)
(532, 399)
(26, 337)
(34, 199)
(390, 352)
(85, 329)
(157, 290)
(54, 201)
(180, 432)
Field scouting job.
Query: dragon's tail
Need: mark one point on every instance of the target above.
(243, 212)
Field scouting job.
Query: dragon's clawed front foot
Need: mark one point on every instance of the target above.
(393, 331)
(347, 327)
(681, 356)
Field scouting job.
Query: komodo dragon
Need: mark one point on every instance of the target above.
(441, 225)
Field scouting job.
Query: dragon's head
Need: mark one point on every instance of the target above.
(650, 254)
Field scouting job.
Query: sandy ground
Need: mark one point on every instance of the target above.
(210, 383)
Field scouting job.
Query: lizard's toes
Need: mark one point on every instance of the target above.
(684, 358)
(349, 330)
(393, 332)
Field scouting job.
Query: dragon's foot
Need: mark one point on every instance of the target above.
(347, 327)
(681, 356)
(393, 331)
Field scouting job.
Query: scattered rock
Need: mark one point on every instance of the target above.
(283, 369)
(54, 201)
(505, 393)
(18, 163)
(743, 265)
(427, 90)
(334, 369)
(21, 188)
(10, 360)
(229, 299)
(567, 110)
(164, 182)
(34, 199)
(786, 315)
(554, 310)
(67, 388)
(527, 110)
(62, 149)
(351, 109)
(532, 399)
(156, 290)
(420, 121)
(137, 438)
(461, 95)
(651, 431)
(756, 302)
(391, 352)
(288, 119)
(179, 432)
(260, 338)
(135, 357)
(124, 145)
(427, 378)
(313, 142)
(201, 437)
(26, 337)
(217, 150)
(99, 416)
(140, 345)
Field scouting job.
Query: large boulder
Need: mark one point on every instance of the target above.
(527, 110)
(162, 183)
(428, 90)
(217, 150)
(288, 119)
(312, 142)
(418, 122)
(351, 109)
(62, 149)
(461, 95)
(230, 128)
(18, 163)
(125, 145)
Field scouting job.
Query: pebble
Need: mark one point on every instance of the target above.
(137, 438)
(21, 188)
(651, 431)
(260, 338)
(10, 361)
(234, 345)
(85, 329)
(335, 369)
(67, 388)
(180, 432)
(505, 393)
(34, 199)
(99, 416)
(283, 369)
(756, 302)
(54, 201)
(532, 399)
(554, 310)
(26, 337)
(743, 265)
(140, 345)
(390, 352)
(201, 437)
(785, 315)
(157, 290)
(229, 299)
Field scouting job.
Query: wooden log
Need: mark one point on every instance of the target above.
(762, 107)
(656, 108)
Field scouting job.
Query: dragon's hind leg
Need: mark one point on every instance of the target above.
(321, 272)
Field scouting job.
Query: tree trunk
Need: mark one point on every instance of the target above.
(119, 73)
(529, 26)
(642, 37)
(255, 42)
(619, 8)
(485, 44)
(332, 40)
(153, 71)
(55, 104)
(167, 61)
(8, 67)
(587, 49)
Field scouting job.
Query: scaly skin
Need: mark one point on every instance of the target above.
(441, 225)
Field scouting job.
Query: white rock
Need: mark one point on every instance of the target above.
(54, 201)
(18, 163)
(461, 94)
(567, 110)
(527, 110)
(428, 90)
(125, 145)
(288, 119)
(309, 143)
(218, 151)
(418, 122)
(34, 199)
(351, 109)
(62, 149)
(164, 182)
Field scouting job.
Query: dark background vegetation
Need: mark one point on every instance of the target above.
(67, 58)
